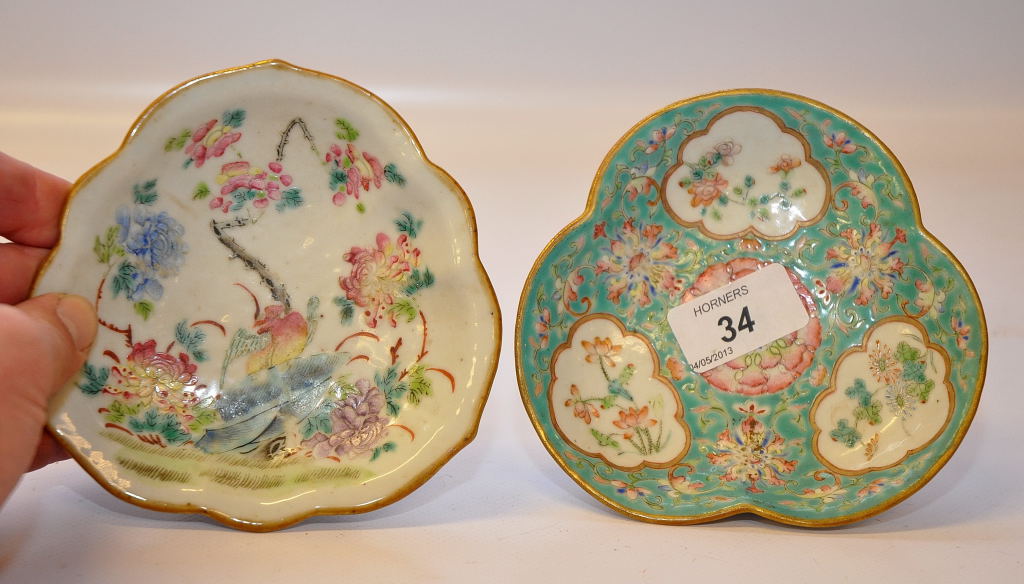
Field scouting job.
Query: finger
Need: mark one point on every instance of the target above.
(19, 266)
(49, 451)
(32, 203)
(43, 341)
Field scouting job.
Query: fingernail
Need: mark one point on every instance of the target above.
(78, 316)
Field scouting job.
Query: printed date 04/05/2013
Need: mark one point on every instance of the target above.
(712, 358)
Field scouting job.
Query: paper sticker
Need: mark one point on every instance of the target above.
(733, 320)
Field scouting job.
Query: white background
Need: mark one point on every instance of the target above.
(520, 101)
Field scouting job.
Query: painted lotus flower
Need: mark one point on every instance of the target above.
(633, 419)
(380, 276)
(357, 424)
(752, 452)
(601, 351)
(774, 366)
(154, 377)
(639, 262)
(865, 264)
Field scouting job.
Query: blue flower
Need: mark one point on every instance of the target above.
(144, 285)
(155, 238)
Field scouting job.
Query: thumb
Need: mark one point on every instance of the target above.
(43, 342)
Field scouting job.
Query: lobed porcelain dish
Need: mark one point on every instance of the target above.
(294, 319)
(835, 419)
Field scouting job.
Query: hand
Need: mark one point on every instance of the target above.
(43, 340)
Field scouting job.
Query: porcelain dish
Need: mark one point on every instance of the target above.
(834, 420)
(293, 316)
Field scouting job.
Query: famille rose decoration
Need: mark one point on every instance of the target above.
(293, 316)
(835, 350)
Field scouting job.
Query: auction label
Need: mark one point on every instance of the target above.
(733, 320)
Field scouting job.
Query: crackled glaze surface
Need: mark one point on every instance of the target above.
(832, 423)
(293, 317)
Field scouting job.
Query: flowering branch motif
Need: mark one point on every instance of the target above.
(888, 398)
(610, 401)
(710, 191)
(904, 384)
(746, 173)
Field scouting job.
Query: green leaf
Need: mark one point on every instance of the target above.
(318, 421)
(290, 199)
(122, 280)
(144, 308)
(904, 352)
(338, 178)
(799, 193)
(346, 131)
(108, 247)
(94, 379)
(386, 447)
(859, 392)
(608, 401)
(201, 191)
(404, 307)
(145, 192)
(922, 390)
(420, 385)
(418, 281)
(203, 418)
(118, 411)
(737, 191)
(233, 118)
(845, 434)
(392, 175)
(604, 439)
(177, 142)
(386, 379)
(870, 412)
(360, 207)
(191, 338)
(392, 388)
(346, 307)
(748, 181)
(165, 425)
(409, 224)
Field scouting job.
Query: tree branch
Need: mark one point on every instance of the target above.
(269, 279)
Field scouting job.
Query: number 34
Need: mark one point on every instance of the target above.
(745, 324)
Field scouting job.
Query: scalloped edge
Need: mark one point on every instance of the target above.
(454, 187)
(738, 509)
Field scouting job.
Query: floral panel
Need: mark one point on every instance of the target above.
(874, 421)
(747, 173)
(609, 400)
